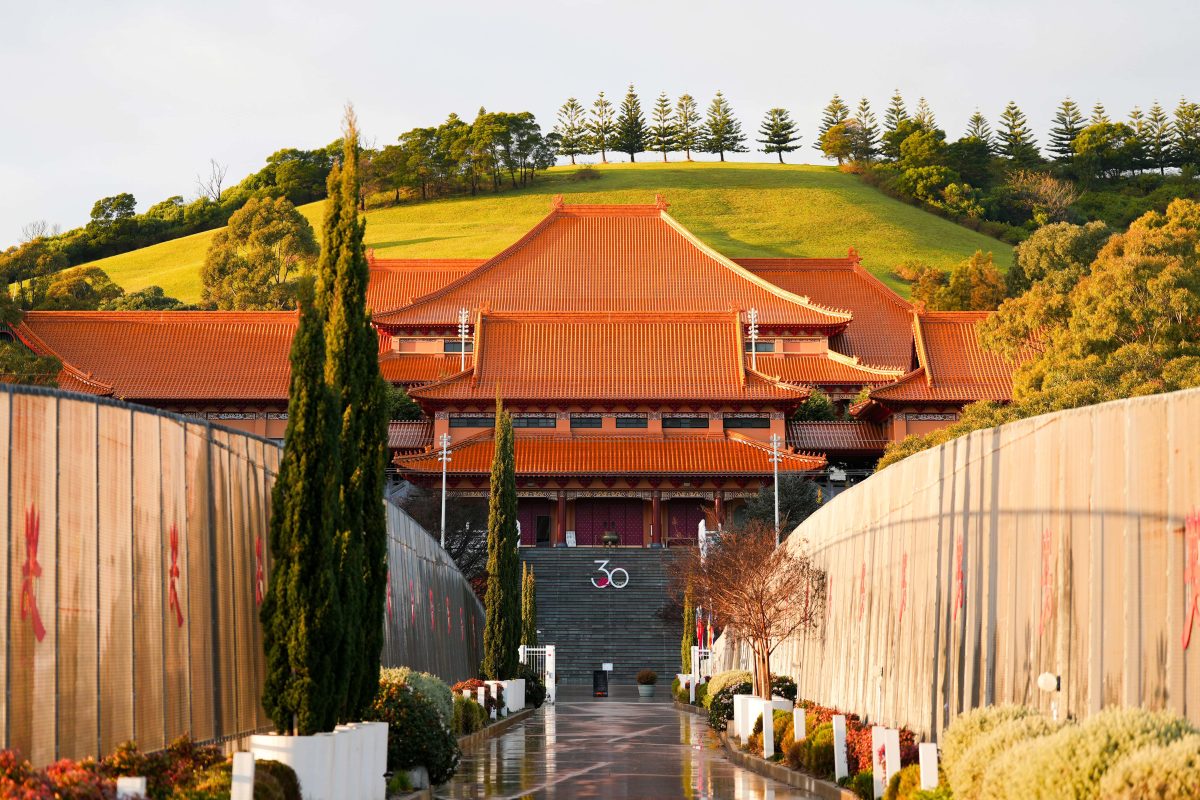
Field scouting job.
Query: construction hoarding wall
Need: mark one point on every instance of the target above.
(134, 560)
(1067, 543)
(434, 621)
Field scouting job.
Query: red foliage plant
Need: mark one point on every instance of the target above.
(858, 737)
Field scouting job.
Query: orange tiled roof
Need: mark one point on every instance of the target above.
(417, 435)
(592, 455)
(625, 258)
(954, 368)
(396, 282)
(881, 331)
(823, 370)
(609, 356)
(168, 355)
(417, 368)
(837, 436)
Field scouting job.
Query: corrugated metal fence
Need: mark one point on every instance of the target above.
(133, 563)
(1067, 543)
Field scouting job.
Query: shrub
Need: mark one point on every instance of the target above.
(701, 695)
(417, 736)
(967, 727)
(783, 731)
(904, 784)
(1072, 761)
(965, 776)
(817, 756)
(862, 784)
(431, 687)
(1170, 772)
(720, 705)
(586, 173)
(284, 775)
(728, 678)
(794, 753)
(535, 690)
(468, 716)
(783, 686)
(647, 677)
(940, 793)
(677, 691)
(214, 783)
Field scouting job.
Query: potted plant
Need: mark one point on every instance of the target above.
(646, 680)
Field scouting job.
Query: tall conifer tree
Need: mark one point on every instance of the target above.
(1158, 138)
(528, 606)
(360, 402)
(1068, 122)
(601, 127)
(1099, 115)
(924, 116)
(689, 632)
(631, 126)
(663, 134)
(835, 113)
(687, 125)
(778, 133)
(864, 133)
(1185, 141)
(722, 131)
(572, 130)
(978, 128)
(895, 114)
(1139, 143)
(1016, 140)
(502, 601)
(301, 614)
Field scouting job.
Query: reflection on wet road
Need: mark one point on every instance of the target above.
(616, 748)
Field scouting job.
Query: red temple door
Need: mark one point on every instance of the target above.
(594, 516)
(535, 515)
(683, 520)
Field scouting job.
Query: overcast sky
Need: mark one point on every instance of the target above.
(137, 95)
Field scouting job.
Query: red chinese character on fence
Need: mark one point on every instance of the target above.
(30, 571)
(260, 576)
(959, 591)
(173, 579)
(432, 624)
(1191, 575)
(1047, 580)
(903, 585)
(449, 625)
(389, 596)
(462, 626)
(412, 604)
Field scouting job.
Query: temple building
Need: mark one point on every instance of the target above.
(647, 373)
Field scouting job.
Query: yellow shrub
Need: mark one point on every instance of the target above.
(1170, 772)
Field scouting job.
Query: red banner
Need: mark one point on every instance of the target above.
(30, 571)
(389, 595)
(959, 591)
(260, 581)
(1047, 580)
(1191, 575)
(173, 579)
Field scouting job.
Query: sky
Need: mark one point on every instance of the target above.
(137, 95)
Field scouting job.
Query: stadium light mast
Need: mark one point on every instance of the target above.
(776, 457)
(464, 317)
(752, 317)
(444, 457)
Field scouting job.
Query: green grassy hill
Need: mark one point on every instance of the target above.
(742, 210)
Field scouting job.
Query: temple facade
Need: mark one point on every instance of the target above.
(648, 374)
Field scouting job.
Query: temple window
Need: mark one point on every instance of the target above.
(631, 422)
(456, 346)
(685, 422)
(534, 422)
(761, 346)
(747, 422)
(473, 422)
(582, 421)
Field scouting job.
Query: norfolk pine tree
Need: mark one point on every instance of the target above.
(662, 132)
(1068, 122)
(924, 116)
(571, 130)
(687, 125)
(1158, 138)
(722, 132)
(631, 126)
(1099, 115)
(1016, 140)
(978, 128)
(778, 132)
(528, 607)
(352, 375)
(502, 601)
(835, 113)
(895, 114)
(864, 133)
(601, 127)
(301, 615)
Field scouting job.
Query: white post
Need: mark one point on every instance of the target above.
(550, 678)
(839, 747)
(798, 724)
(521, 654)
(695, 676)
(242, 785)
(891, 750)
(929, 765)
(768, 732)
(444, 457)
(129, 788)
(752, 317)
(776, 441)
(878, 760)
(464, 317)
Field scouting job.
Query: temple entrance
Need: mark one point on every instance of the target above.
(683, 520)
(594, 516)
(543, 530)
(534, 514)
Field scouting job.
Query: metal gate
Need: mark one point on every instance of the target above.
(541, 661)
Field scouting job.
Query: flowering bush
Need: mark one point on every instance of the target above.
(431, 687)
(783, 686)
(728, 678)
(720, 704)
(417, 735)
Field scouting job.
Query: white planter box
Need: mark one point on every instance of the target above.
(374, 759)
(514, 694)
(741, 711)
(311, 757)
(350, 778)
(340, 783)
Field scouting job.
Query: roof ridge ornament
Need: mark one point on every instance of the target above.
(556, 203)
(854, 257)
(660, 202)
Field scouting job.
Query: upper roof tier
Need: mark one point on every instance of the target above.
(607, 357)
(623, 258)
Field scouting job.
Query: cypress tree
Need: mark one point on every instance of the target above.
(1016, 140)
(1068, 122)
(722, 132)
(528, 606)
(687, 125)
(778, 131)
(689, 632)
(301, 614)
(662, 132)
(895, 114)
(601, 127)
(502, 601)
(571, 130)
(1158, 138)
(978, 128)
(352, 374)
(631, 126)
(835, 113)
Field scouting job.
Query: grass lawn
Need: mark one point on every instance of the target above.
(742, 210)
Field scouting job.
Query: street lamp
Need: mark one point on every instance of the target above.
(752, 317)
(464, 317)
(444, 457)
(776, 457)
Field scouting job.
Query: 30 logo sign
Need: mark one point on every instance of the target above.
(616, 577)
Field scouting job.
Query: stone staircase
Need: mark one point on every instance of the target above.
(590, 626)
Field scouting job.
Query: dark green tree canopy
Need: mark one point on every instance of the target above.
(602, 127)
(778, 133)
(722, 132)
(688, 129)
(664, 134)
(631, 126)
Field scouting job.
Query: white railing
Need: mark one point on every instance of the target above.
(541, 660)
(701, 667)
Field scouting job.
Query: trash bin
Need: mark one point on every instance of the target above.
(599, 683)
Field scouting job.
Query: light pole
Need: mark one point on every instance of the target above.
(776, 457)
(752, 317)
(464, 317)
(444, 457)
